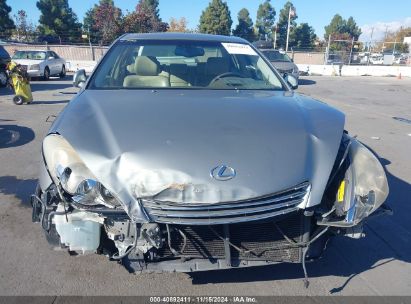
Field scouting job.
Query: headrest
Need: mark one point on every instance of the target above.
(146, 66)
(217, 66)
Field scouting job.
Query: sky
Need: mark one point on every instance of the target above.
(380, 15)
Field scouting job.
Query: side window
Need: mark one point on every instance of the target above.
(55, 55)
(49, 54)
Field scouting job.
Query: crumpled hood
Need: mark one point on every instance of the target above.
(163, 144)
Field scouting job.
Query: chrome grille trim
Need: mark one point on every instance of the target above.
(266, 207)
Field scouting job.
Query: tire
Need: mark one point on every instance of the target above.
(63, 72)
(3, 79)
(18, 100)
(46, 75)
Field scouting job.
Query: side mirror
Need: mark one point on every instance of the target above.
(51, 58)
(292, 81)
(79, 79)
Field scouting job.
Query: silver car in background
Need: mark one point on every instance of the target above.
(41, 63)
(189, 152)
(282, 62)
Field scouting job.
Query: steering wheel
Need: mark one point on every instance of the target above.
(227, 74)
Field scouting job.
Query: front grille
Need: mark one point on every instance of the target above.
(257, 241)
(229, 212)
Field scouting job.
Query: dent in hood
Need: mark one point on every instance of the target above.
(163, 145)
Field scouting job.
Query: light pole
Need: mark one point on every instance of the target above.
(291, 11)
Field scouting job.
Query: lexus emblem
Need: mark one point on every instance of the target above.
(223, 173)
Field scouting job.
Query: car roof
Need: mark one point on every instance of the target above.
(182, 36)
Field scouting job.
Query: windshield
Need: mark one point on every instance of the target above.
(184, 64)
(33, 55)
(276, 56)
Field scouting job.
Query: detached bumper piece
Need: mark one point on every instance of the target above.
(200, 248)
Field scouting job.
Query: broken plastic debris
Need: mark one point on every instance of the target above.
(375, 137)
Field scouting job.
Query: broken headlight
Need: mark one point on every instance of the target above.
(370, 182)
(67, 169)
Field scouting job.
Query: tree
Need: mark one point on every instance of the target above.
(342, 30)
(6, 23)
(303, 36)
(265, 20)
(244, 29)
(397, 39)
(25, 30)
(88, 26)
(339, 26)
(216, 19)
(282, 25)
(152, 5)
(58, 19)
(178, 26)
(352, 29)
(144, 19)
(107, 21)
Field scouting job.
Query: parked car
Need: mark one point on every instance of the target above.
(282, 62)
(377, 59)
(4, 60)
(41, 63)
(335, 59)
(190, 152)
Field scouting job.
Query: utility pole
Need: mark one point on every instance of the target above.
(288, 27)
(327, 51)
(275, 36)
(89, 43)
(352, 46)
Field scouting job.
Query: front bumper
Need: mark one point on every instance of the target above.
(35, 73)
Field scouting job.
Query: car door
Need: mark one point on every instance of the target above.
(51, 62)
(58, 62)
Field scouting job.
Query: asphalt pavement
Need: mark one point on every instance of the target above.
(379, 264)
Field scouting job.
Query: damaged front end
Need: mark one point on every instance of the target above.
(84, 216)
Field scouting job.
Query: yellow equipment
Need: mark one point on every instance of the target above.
(20, 83)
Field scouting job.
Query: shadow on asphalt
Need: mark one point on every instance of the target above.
(344, 257)
(49, 86)
(15, 136)
(304, 81)
(45, 102)
(22, 189)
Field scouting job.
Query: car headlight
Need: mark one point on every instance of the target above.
(67, 169)
(35, 67)
(370, 182)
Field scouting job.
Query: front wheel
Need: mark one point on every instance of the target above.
(46, 75)
(18, 100)
(3, 79)
(63, 72)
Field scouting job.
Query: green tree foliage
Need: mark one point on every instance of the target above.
(58, 19)
(303, 36)
(244, 29)
(88, 26)
(145, 19)
(216, 19)
(107, 21)
(6, 23)
(283, 25)
(152, 5)
(342, 30)
(352, 29)
(339, 26)
(265, 20)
